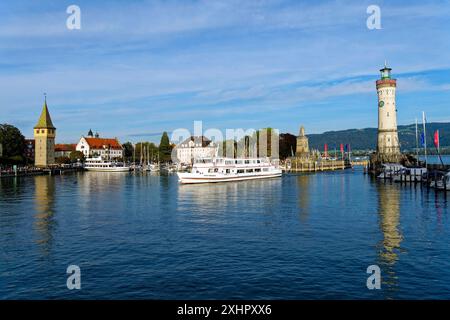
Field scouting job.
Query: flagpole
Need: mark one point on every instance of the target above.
(417, 142)
(437, 144)
(349, 153)
(424, 137)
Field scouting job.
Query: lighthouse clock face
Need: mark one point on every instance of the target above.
(381, 104)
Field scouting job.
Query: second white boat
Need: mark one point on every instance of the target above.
(98, 164)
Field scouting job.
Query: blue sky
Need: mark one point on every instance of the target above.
(137, 68)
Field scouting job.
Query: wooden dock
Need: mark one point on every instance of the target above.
(24, 172)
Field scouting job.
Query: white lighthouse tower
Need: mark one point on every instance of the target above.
(388, 147)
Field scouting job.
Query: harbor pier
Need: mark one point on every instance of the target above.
(303, 165)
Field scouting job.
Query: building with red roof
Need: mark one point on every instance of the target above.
(94, 146)
(64, 150)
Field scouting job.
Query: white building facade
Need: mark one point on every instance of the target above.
(195, 148)
(100, 147)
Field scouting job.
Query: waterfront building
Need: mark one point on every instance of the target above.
(388, 146)
(44, 139)
(64, 150)
(107, 148)
(302, 150)
(195, 147)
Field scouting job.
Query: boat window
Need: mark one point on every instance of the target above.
(258, 170)
(247, 161)
(227, 171)
(240, 171)
(265, 169)
(249, 170)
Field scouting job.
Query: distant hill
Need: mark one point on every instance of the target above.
(366, 139)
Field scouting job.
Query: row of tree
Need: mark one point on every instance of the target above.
(148, 151)
(13, 147)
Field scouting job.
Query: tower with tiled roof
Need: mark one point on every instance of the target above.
(44, 136)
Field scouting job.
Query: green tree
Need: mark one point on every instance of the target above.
(128, 150)
(76, 155)
(13, 143)
(165, 148)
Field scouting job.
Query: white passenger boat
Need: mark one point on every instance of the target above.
(229, 169)
(98, 164)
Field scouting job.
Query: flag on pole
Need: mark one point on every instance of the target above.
(436, 139)
(422, 139)
(326, 150)
(424, 120)
(342, 148)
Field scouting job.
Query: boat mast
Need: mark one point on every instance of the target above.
(424, 137)
(417, 142)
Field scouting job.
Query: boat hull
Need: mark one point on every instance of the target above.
(122, 169)
(189, 178)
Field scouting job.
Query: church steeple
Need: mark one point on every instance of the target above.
(45, 121)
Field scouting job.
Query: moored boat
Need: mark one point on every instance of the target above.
(442, 182)
(410, 175)
(389, 170)
(229, 169)
(98, 164)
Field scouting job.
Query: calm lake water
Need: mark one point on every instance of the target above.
(308, 236)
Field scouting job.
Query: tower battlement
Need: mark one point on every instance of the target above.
(386, 83)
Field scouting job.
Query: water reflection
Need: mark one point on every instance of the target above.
(44, 224)
(222, 197)
(94, 185)
(303, 196)
(389, 213)
(10, 187)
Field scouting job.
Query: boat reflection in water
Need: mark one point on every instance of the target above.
(389, 215)
(225, 198)
(44, 200)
